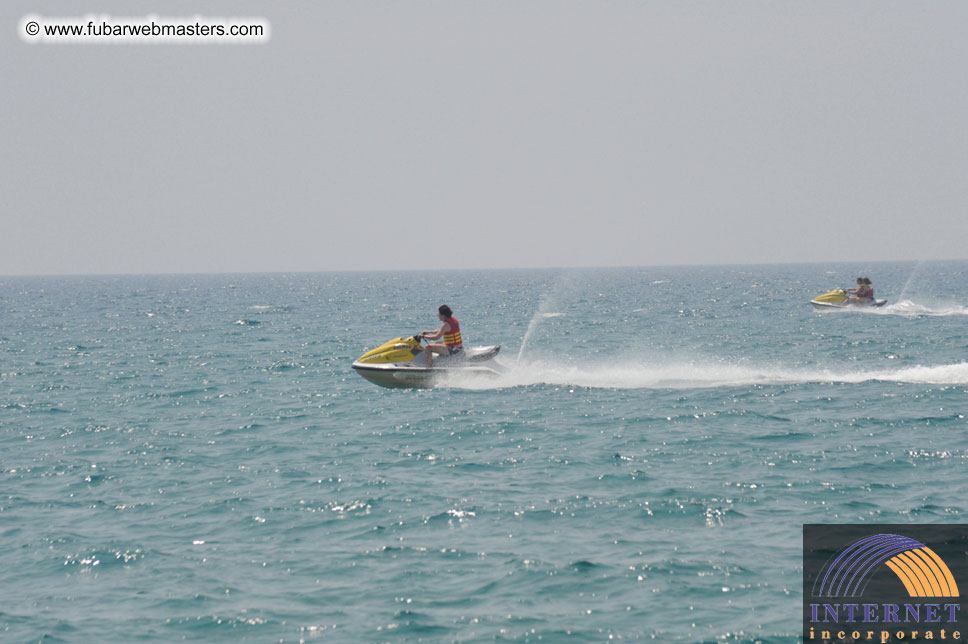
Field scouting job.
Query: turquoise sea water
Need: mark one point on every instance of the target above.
(192, 457)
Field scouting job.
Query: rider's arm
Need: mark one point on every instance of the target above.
(433, 335)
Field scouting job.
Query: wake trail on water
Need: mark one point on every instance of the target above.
(909, 308)
(696, 375)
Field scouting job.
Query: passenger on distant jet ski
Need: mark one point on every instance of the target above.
(450, 330)
(863, 294)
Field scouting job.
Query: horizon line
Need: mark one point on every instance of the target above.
(469, 269)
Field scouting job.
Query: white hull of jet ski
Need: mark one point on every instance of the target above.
(400, 363)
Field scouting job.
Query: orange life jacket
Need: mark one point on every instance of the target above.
(453, 338)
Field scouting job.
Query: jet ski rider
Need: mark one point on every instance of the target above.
(864, 293)
(450, 330)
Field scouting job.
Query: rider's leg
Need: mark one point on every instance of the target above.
(431, 349)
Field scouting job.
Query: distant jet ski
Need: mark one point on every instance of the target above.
(838, 299)
(400, 363)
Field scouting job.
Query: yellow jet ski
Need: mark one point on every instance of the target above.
(838, 299)
(400, 363)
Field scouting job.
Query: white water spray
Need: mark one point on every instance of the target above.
(910, 309)
(533, 324)
(907, 284)
(547, 302)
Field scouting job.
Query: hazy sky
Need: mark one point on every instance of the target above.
(380, 135)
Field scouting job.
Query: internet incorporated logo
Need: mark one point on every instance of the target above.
(918, 567)
(887, 586)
